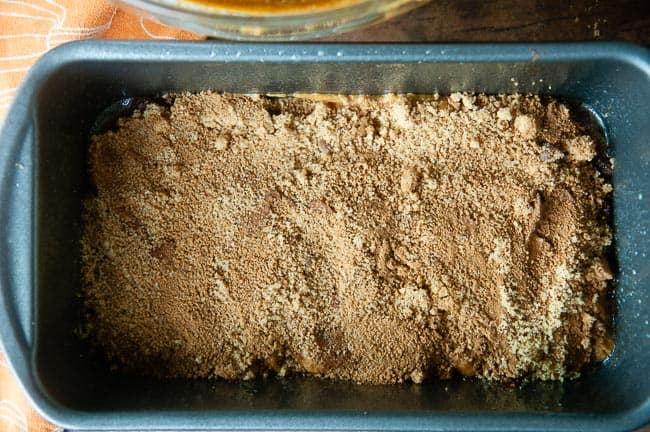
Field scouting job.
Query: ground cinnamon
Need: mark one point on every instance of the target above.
(377, 240)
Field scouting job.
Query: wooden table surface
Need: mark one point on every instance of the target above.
(514, 21)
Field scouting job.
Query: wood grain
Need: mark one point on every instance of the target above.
(513, 21)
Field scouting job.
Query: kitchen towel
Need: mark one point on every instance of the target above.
(29, 28)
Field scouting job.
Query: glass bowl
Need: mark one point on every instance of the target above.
(282, 20)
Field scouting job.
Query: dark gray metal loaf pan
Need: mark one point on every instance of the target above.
(43, 180)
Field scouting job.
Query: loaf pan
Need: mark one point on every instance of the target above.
(43, 146)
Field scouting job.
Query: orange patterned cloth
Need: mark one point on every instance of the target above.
(16, 415)
(28, 28)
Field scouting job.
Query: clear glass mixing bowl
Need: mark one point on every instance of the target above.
(280, 24)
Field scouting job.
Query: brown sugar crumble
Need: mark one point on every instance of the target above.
(373, 239)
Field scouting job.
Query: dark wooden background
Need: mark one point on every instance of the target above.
(513, 21)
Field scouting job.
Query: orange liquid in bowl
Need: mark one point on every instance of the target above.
(274, 6)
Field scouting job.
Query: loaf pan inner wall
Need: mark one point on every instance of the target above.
(72, 98)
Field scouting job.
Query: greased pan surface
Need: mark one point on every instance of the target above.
(43, 176)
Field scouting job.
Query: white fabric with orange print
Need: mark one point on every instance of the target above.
(29, 28)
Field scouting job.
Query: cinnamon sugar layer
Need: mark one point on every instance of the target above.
(377, 240)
